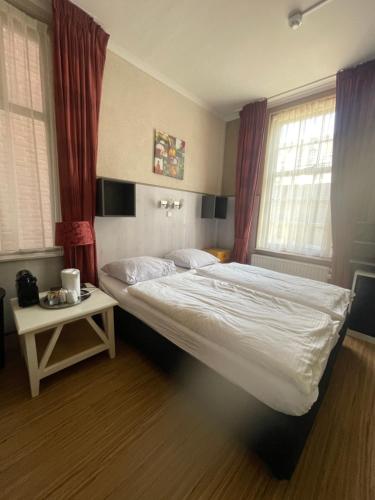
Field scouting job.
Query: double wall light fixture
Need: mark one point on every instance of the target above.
(171, 204)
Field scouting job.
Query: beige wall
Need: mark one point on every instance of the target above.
(230, 158)
(133, 105)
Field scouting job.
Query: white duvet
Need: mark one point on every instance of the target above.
(330, 299)
(287, 339)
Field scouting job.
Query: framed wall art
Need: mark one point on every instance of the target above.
(169, 155)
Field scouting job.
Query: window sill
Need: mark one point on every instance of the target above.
(291, 256)
(41, 254)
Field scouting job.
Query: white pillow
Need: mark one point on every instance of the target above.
(191, 258)
(136, 269)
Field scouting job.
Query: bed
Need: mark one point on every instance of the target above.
(279, 352)
(330, 299)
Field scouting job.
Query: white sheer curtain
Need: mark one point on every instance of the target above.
(295, 213)
(27, 152)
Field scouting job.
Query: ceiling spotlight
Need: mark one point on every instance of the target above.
(295, 19)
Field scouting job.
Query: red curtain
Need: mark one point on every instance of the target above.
(249, 154)
(353, 164)
(79, 57)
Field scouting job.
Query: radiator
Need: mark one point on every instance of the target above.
(312, 271)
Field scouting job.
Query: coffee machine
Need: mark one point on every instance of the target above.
(27, 289)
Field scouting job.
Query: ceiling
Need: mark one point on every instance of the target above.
(224, 54)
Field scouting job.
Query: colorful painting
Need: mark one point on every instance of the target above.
(169, 155)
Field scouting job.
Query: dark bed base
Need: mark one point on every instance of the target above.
(278, 439)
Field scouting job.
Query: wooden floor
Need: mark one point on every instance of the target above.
(123, 429)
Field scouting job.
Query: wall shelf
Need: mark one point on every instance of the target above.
(214, 207)
(115, 198)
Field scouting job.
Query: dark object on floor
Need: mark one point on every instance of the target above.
(362, 318)
(27, 289)
(2, 339)
(278, 439)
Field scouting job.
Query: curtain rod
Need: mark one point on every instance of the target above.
(320, 80)
(292, 92)
(313, 85)
(301, 87)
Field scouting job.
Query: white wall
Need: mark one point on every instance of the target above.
(46, 270)
(225, 227)
(151, 232)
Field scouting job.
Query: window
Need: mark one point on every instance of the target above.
(27, 179)
(295, 214)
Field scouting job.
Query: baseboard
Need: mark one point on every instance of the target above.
(362, 336)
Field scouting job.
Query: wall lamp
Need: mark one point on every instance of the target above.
(169, 204)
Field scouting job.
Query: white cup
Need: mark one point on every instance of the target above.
(72, 297)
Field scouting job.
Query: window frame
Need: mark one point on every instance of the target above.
(254, 249)
(46, 116)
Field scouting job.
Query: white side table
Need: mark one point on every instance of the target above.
(53, 339)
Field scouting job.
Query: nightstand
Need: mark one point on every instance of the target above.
(223, 254)
(53, 339)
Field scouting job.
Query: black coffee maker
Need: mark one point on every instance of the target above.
(27, 289)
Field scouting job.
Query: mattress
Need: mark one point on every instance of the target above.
(264, 381)
(324, 297)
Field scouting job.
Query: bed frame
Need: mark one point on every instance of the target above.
(278, 439)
